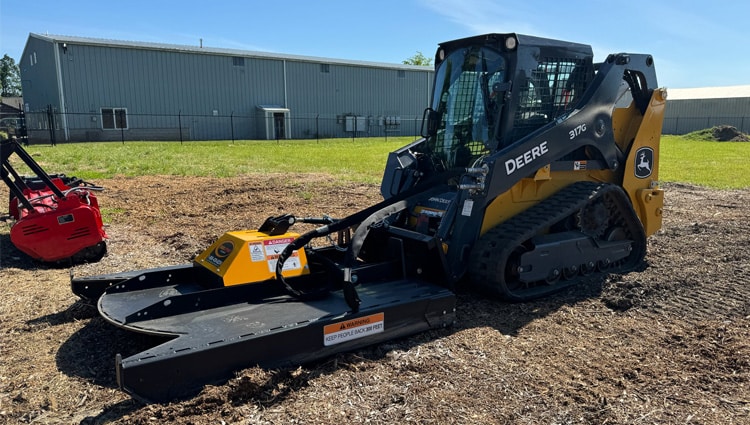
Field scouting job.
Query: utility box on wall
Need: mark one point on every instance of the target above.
(355, 123)
(391, 123)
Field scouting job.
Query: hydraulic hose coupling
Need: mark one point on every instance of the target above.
(478, 175)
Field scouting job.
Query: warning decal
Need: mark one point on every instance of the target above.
(274, 247)
(256, 252)
(337, 333)
(468, 206)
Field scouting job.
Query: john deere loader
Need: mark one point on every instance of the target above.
(537, 168)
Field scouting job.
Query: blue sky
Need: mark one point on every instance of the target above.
(694, 43)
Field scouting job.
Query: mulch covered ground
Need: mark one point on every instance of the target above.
(667, 345)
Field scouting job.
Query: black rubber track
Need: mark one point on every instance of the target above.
(488, 265)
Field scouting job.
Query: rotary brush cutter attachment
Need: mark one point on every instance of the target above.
(266, 298)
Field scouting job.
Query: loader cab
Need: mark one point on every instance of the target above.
(493, 90)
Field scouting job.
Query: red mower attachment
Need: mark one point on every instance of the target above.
(57, 218)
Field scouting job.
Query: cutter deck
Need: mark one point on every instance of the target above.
(218, 331)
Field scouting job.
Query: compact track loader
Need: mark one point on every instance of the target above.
(56, 218)
(537, 168)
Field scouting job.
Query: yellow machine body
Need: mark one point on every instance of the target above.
(632, 132)
(248, 256)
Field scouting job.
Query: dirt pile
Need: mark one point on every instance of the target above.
(727, 133)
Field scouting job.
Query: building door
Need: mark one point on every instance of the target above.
(278, 125)
(273, 122)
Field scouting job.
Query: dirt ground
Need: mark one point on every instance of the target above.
(667, 345)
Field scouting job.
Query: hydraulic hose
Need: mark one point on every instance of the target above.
(364, 219)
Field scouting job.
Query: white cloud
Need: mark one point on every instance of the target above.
(484, 16)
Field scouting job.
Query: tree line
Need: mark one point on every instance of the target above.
(10, 77)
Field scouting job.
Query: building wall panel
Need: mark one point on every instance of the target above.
(686, 115)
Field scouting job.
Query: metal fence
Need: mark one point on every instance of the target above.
(51, 126)
(117, 124)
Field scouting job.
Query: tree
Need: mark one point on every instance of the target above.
(10, 77)
(418, 59)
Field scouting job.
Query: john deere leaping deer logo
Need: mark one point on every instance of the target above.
(644, 162)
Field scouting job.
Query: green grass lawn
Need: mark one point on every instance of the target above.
(723, 165)
(360, 160)
(683, 159)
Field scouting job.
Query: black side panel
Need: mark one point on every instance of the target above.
(215, 342)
